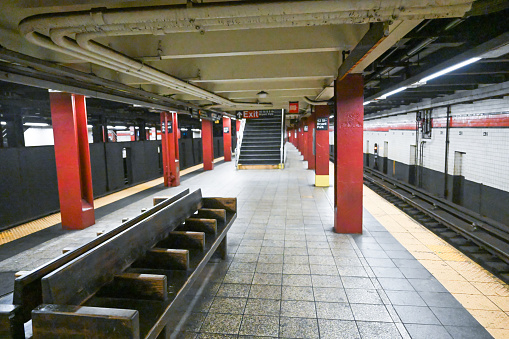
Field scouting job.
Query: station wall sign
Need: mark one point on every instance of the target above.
(293, 107)
(322, 124)
(305, 128)
(226, 130)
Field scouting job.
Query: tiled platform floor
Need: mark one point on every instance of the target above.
(288, 275)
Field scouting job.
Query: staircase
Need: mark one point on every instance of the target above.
(262, 143)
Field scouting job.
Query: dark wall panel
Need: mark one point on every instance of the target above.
(40, 178)
(98, 169)
(137, 162)
(152, 168)
(13, 201)
(197, 150)
(115, 165)
(186, 153)
(494, 203)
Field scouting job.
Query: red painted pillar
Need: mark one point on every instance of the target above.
(207, 144)
(169, 140)
(348, 176)
(322, 146)
(237, 126)
(227, 139)
(72, 156)
(311, 141)
(305, 133)
(299, 138)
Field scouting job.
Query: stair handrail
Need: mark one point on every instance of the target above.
(240, 134)
(282, 147)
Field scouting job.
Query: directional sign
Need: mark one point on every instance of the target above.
(322, 124)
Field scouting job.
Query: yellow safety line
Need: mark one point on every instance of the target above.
(485, 296)
(53, 219)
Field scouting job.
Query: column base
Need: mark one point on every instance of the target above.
(322, 180)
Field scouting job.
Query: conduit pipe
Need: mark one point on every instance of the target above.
(168, 19)
(316, 102)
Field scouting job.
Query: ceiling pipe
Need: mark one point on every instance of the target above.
(316, 102)
(167, 19)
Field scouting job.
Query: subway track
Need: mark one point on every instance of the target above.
(483, 240)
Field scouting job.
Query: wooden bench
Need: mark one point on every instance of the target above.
(127, 282)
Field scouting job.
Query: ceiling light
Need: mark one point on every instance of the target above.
(382, 97)
(117, 127)
(366, 103)
(183, 129)
(36, 124)
(3, 123)
(262, 94)
(449, 69)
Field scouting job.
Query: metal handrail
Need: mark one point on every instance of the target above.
(281, 149)
(240, 134)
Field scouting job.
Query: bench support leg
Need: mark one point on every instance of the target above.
(222, 249)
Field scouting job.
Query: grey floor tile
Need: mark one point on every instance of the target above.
(329, 310)
(245, 257)
(427, 285)
(298, 328)
(238, 278)
(269, 268)
(347, 261)
(296, 269)
(271, 258)
(194, 322)
(297, 280)
(352, 271)
(368, 312)
(228, 305)
(298, 293)
(296, 251)
(416, 315)
(440, 299)
(216, 336)
(267, 278)
(462, 332)
(418, 331)
(378, 330)
(395, 284)
(326, 281)
(242, 267)
(387, 272)
(265, 292)
(272, 250)
(338, 329)
(327, 260)
(363, 296)
(407, 298)
(454, 316)
(415, 273)
(259, 325)
(221, 323)
(323, 270)
(330, 294)
(357, 282)
(296, 259)
(234, 290)
(299, 309)
(263, 307)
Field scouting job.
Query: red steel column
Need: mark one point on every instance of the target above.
(207, 144)
(227, 139)
(322, 148)
(348, 176)
(305, 153)
(169, 140)
(311, 144)
(72, 156)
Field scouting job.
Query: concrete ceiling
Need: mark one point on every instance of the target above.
(233, 62)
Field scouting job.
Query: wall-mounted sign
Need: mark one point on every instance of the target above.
(226, 130)
(170, 127)
(293, 107)
(322, 124)
(306, 128)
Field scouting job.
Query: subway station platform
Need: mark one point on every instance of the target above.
(289, 275)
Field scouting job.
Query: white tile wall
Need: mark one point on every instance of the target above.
(486, 158)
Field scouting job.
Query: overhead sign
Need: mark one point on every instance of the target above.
(294, 107)
(322, 124)
(255, 114)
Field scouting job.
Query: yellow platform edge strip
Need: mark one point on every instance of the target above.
(53, 219)
(322, 180)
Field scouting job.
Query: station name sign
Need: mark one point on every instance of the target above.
(322, 124)
(255, 114)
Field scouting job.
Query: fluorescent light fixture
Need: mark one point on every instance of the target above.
(449, 69)
(366, 103)
(148, 127)
(195, 130)
(382, 97)
(136, 105)
(331, 117)
(89, 126)
(136, 127)
(116, 127)
(183, 129)
(3, 123)
(36, 124)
